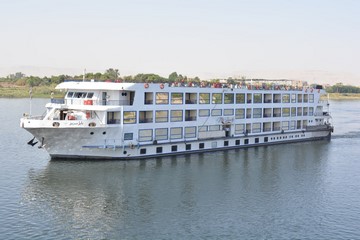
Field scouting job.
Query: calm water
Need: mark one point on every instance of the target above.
(294, 191)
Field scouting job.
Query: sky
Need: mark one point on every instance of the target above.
(313, 40)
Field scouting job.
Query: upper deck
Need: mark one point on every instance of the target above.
(128, 94)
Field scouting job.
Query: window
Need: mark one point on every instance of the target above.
(188, 146)
(257, 98)
(217, 98)
(79, 95)
(190, 115)
(266, 139)
(311, 111)
(267, 127)
(248, 113)
(293, 98)
(305, 111)
(228, 112)
(300, 98)
(311, 98)
(237, 142)
(176, 115)
(240, 98)
(190, 132)
(286, 98)
(293, 112)
(299, 111)
(286, 112)
(285, 125)
(257, 113)
(89, 95)
(204, 112)
(306, 98)
(228, 98)
(145, 116)
(176, 98)
(277, 98)
(149, 98)
(240, 113)
(248, 97)
(246, 141)
(129, 117)
(256, 140)
(204, 98)
(292, 125)
(70, 94)
(216, 112)
(143, 151)
(113, 118)
(145, 135)
(176, 133)
(256, 127)
(159, 150)
(174, 148)
(226, 143)
(201, 145)
(161, 134)
(128, 136)
(277, 112)
(267, 98)
(239, 129)
(162, 98)
(190, 98)
(161, 116)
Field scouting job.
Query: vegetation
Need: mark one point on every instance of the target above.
(340, 88)
(19, 85)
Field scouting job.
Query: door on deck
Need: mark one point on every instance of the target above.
(104, 98)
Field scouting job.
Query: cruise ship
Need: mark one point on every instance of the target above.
(112, 120)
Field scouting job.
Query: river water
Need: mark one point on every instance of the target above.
(294, 191)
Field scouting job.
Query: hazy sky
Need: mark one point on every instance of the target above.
(313, 39)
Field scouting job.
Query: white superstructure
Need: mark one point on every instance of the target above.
(132, 120)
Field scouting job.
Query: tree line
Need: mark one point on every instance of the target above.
(112, 74)
(341, 88)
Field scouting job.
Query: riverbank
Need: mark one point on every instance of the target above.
(13, 91)
(344, 96)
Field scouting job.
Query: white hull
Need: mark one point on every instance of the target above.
(78, 147)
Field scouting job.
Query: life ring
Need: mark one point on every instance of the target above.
(162, 86)
(146, 85)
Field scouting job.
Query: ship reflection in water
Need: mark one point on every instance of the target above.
(221, 194)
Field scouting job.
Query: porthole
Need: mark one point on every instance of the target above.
(92, 133)
(104, 133)
(125, 152)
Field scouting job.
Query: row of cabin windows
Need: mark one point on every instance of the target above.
(161, 134)
(226, 98)
(79, 94)
(191, 115)
(246, 141)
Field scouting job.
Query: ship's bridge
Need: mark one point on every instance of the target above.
(96, 93)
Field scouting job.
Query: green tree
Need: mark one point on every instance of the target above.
(173, 77)
(111, 74)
